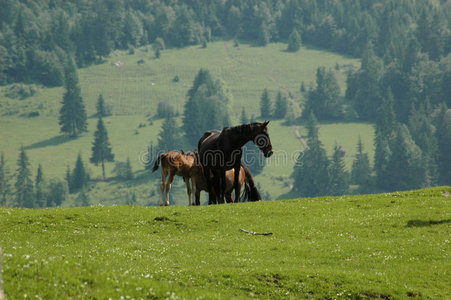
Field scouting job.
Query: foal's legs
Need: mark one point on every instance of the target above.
(168, 186)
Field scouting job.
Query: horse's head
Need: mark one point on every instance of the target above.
(262, 139)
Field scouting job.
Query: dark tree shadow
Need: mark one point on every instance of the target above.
(54, 141)
(422, 223)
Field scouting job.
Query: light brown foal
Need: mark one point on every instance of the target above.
(173, 163)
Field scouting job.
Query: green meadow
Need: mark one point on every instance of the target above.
(134, 84)
(386, 246)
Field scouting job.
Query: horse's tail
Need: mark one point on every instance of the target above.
(250, 189)
(157, 162)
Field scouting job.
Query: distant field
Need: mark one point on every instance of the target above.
(387, 246)
(134, 91)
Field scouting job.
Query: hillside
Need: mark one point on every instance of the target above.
(134, 90)
(372, 246)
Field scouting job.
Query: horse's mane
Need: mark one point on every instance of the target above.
(241, 129)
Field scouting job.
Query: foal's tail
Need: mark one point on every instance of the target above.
(157, 162)
(250, 189)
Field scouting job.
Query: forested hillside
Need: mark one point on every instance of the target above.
(36, 37)
(269, 60)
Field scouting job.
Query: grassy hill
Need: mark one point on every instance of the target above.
(134, 90)
(390, 246)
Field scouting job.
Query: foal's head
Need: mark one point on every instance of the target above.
(261, 138)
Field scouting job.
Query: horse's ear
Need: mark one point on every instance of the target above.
(265, 123)
(183, 152)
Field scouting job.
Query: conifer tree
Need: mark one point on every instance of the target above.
(311, 171)
(101, 148)
(24, 184)
(243, 118)
(207, 107)
(39, 185)
(100, 107)
(83, 198)
(265, 105)
(68, 176)
(294, 41)
(339, 177)
(361, 170)
(169, 137)
(442, 123)
(5, 188)
(73, 116)
(422, 130)
(324, 100)
(79, 176)
(57, 192)
(385, 134)
(280, 107)
(405, 169)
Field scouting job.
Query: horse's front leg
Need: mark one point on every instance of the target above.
(222, 186)
(236, 183)
(210, 183)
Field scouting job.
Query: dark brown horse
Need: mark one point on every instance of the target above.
(220, 151)
(199, 182)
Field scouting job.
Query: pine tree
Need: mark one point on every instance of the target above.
(169, 137)
(79, 176)
(57, 192)
(5, 188)
(385, 133)
(100, 107)
(128, 169)
(405, 169)
(442, 122)
(207, 107)
(68, 176)
(157, 53)
(82, 198)
(39, 185)
(24, 184)
(294, 41)
(243, 118)
(280, 107)
(361, 170)
(339, 177)
(311, 171)
(265, 105)
(324, 101)
(422, 130)
(72, 113)
(101, 149)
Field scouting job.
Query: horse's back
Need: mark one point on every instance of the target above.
(207, 138)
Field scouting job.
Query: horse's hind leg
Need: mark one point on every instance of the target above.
(162, 186)
(168, 187)
(237, 184)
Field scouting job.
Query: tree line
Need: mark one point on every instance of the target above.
(37, 38)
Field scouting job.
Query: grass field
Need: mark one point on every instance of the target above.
(134, 91)
(390, 246)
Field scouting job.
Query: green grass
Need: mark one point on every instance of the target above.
(374, 246)
(134, 91)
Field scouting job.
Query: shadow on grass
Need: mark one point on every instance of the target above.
(422, 223)
(54, 141)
